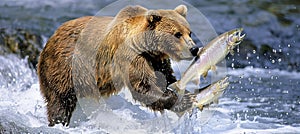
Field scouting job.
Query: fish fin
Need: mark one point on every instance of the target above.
(179, 114)
(231, 51)
(215, 92)
(205, 74)
(216, 101)
(217, 89)
(213, 67)
(200, 106)
(218, 86)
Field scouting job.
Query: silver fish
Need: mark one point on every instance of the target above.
(208, 57)
(211, 94)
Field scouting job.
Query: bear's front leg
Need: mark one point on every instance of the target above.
(150, 88)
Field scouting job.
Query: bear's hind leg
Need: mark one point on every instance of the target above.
(60, 108)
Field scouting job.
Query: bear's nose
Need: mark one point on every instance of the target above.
(194, 51)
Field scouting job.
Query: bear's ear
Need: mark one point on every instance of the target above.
(153, 17)
(182, 10)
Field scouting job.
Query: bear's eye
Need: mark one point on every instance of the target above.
(178, 35)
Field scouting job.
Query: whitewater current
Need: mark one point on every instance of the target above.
(257, 101)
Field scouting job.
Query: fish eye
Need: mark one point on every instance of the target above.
(236, 33)
(178, 35)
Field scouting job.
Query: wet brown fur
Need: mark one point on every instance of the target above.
(131, 49)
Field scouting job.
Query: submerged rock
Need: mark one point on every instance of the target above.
(22, 43)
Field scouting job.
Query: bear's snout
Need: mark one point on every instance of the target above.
(194, 51)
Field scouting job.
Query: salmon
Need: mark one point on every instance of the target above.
(207, 58)
(211, 94)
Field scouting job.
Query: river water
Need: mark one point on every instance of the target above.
(264, 91)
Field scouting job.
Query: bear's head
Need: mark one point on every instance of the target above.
(159, 33)
(171, 33)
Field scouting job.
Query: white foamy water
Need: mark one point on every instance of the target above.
(22, 109)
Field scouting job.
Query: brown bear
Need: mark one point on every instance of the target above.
(98, 56)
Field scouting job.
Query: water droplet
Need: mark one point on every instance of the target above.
(254, 51)
(273, 61)
(274, 50)
(279, 60)
(287, 54)
(257, 57)
(285, 91)
(289, 45)
(249, 54)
